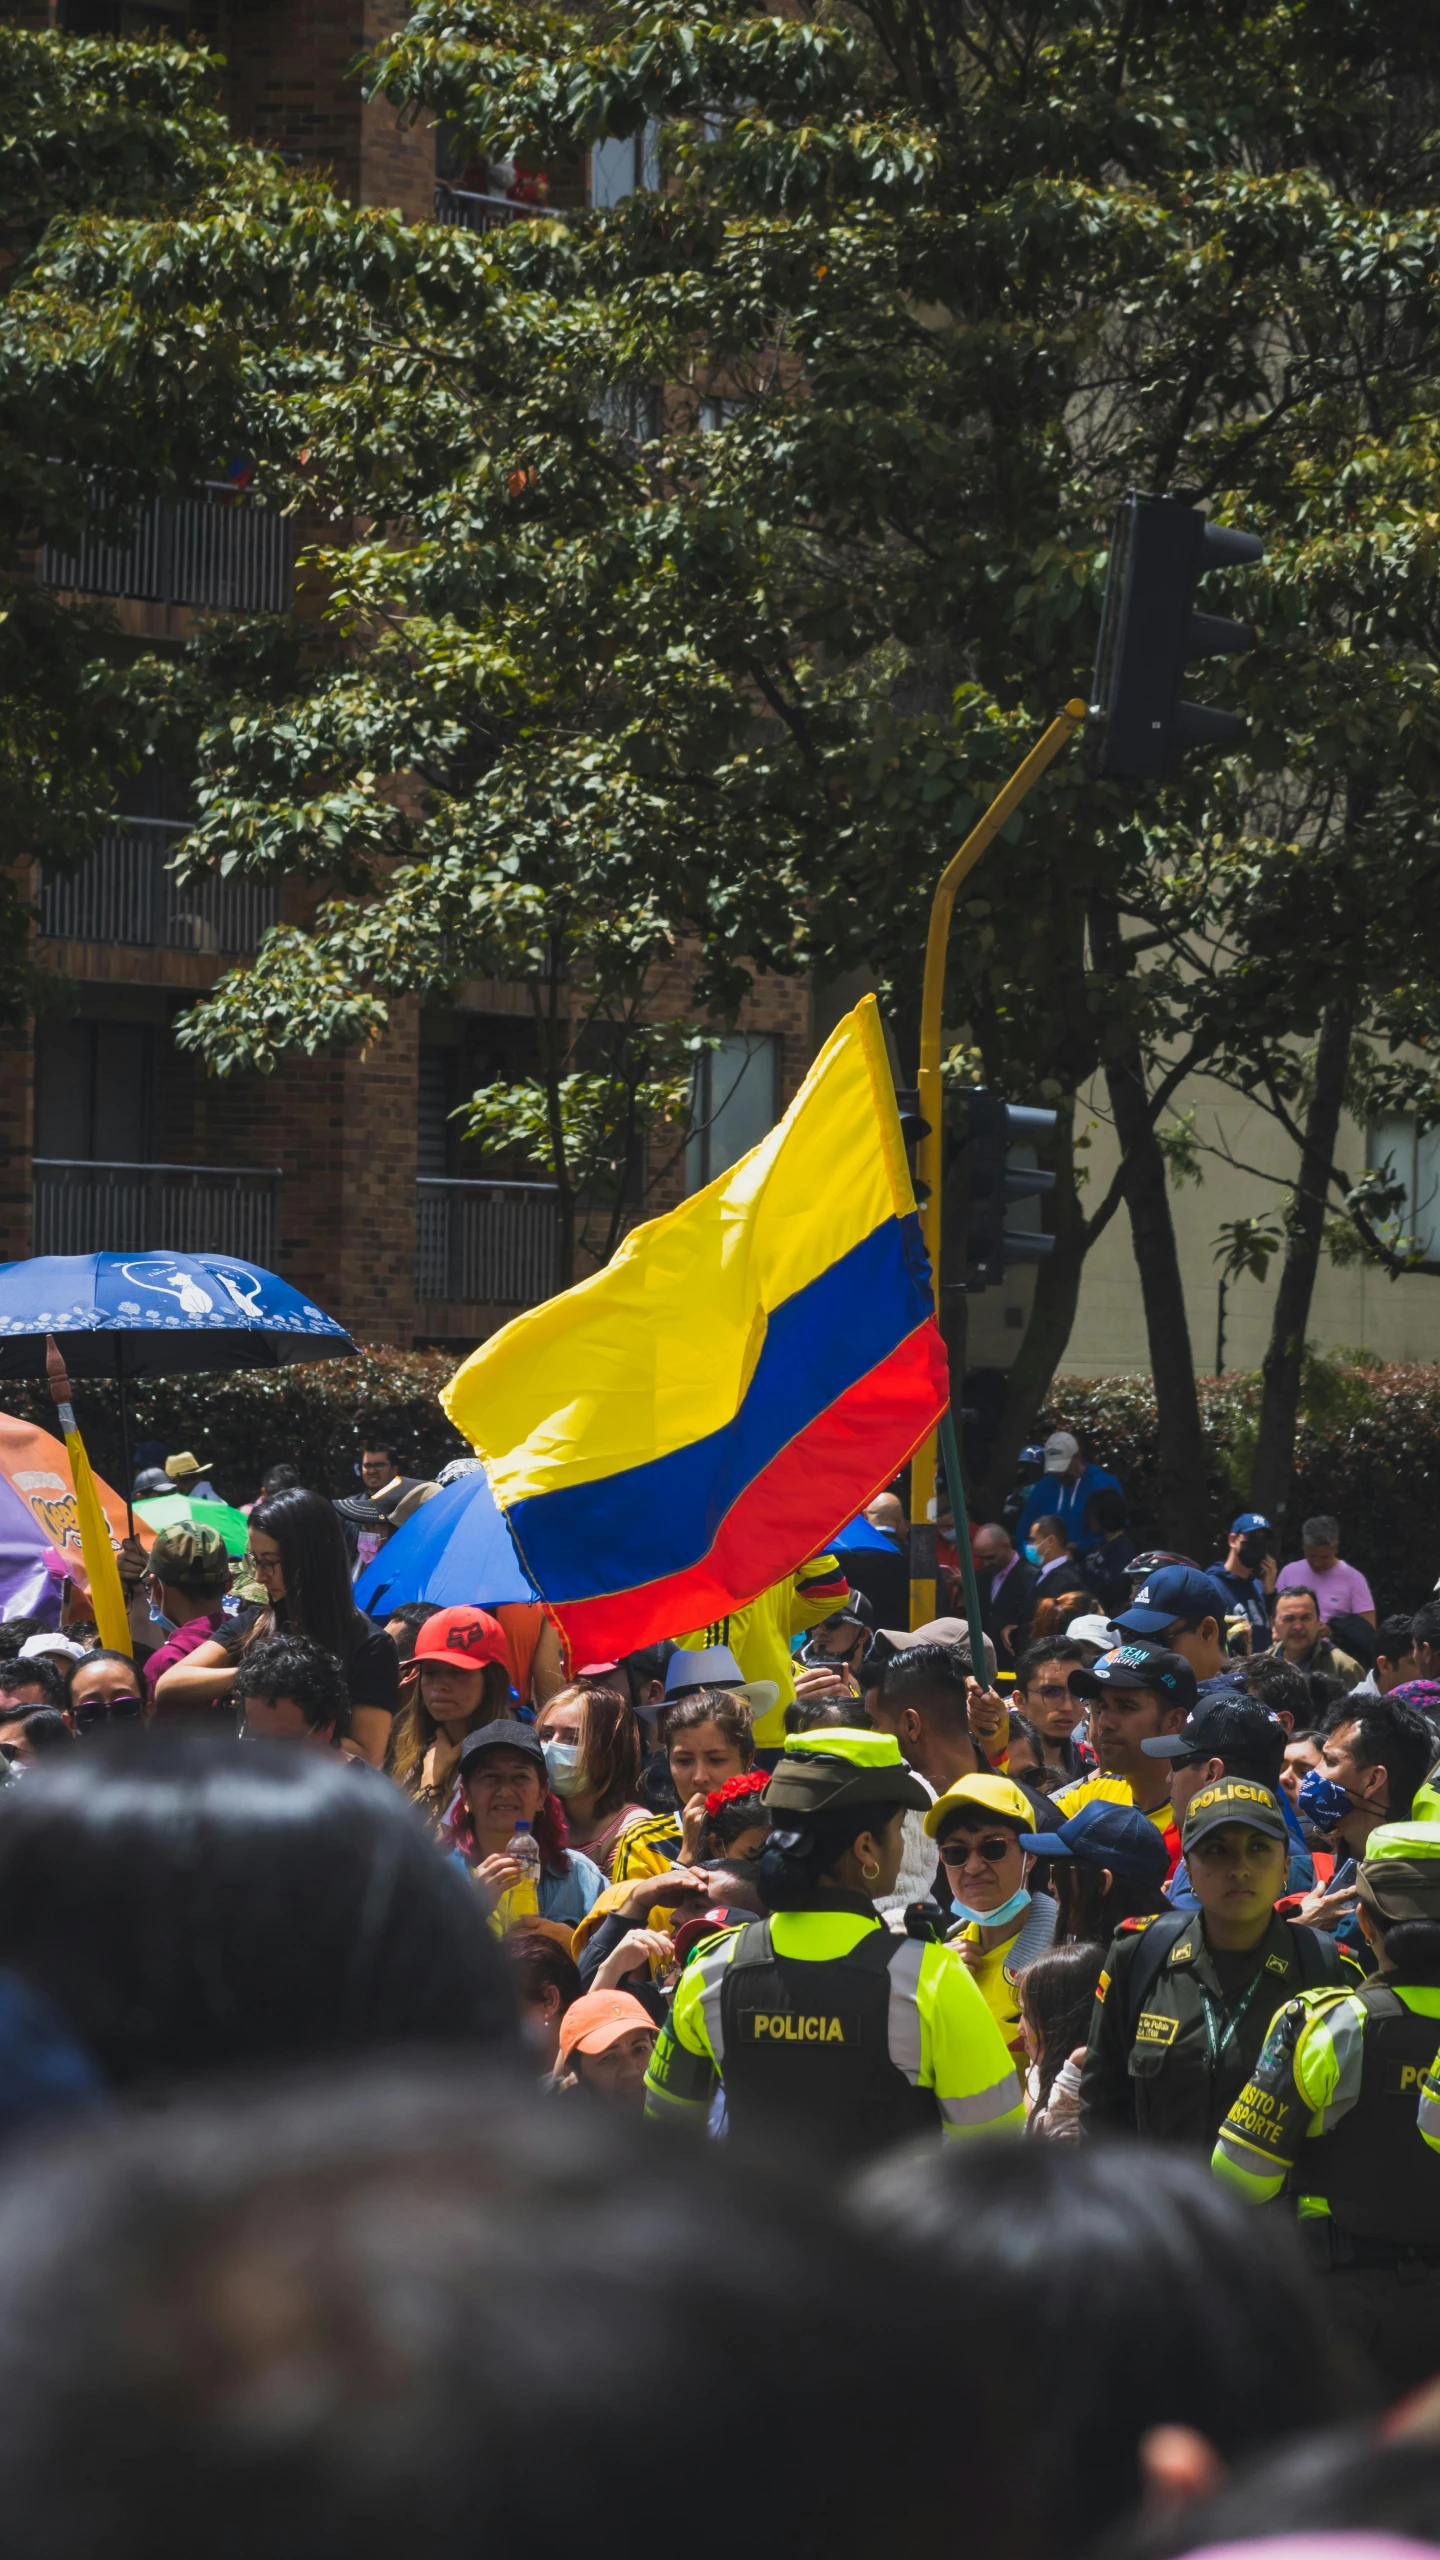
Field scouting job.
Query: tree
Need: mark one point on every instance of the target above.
(88, 131)
(600, 683)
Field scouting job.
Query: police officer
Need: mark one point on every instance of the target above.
(1184, 2002)
(818, 2020)
(1332, 2107)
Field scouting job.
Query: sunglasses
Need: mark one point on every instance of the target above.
(93, 1712)
(956, 1852)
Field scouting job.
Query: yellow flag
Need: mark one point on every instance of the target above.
(106, 1597)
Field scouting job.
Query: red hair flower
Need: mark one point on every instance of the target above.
(751, 1782)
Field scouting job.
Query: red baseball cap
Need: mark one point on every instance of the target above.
(468, 1638)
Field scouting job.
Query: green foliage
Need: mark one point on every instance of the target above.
(89, 132)
(315, 1414)
(1248, 1246)
(595, 688)
(1368, 1449)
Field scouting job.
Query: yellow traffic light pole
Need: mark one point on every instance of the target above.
(930, 1158)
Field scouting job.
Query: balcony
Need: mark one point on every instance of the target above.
(82, 1207)
(218, 550)
(485, 1243)
(468, 212)
(124, 893)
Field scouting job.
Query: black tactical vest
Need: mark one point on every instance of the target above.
(812, 2043)
(1379, 2178)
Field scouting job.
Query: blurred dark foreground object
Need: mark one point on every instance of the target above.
(1134, 2295)
(191, 1903)
(429, 2313)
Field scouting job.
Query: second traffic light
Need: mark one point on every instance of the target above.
(993, 1128)
(1149, 628)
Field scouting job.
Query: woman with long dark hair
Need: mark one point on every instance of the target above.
(298, 1556)
(190, 1903)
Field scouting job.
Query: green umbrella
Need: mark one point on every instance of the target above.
(170, 1510)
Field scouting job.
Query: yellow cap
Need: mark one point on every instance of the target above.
(989, 1793)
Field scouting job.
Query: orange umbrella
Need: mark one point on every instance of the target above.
(40, 1520)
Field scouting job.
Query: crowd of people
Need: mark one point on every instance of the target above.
(502, 2040)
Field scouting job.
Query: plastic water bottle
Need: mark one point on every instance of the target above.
(524, 1848)
(521, 1900)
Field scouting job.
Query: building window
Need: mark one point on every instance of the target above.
(621, 168)
(734, 1105)
(436, 1138)
(1410, 1156)
(93, 1083)
(716, 413)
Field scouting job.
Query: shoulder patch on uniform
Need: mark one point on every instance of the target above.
(1153, 2027)
(1138, 1920)
(1184, 1953)
(1102, 1986)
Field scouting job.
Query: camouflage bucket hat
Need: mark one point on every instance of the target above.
(193, 1558)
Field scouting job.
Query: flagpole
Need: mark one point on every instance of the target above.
(112, 1619)
(930, 1154)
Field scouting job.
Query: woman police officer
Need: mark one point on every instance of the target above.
(818, 2021)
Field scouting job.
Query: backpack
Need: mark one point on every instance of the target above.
(1317, 1952)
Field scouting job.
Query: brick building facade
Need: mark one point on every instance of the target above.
(344, 1173)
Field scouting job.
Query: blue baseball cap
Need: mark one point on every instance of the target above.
(1117, 1836)
(1248, 1520)
(1176, 1591)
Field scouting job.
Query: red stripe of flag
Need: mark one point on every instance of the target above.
(818, 1482)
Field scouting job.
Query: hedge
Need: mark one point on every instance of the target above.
(1368, 1450)
(318, 1414)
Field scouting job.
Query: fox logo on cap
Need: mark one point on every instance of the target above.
(469, 1636)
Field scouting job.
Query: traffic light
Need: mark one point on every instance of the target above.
(993, 1127)
(912, 1129)
(1149, 627)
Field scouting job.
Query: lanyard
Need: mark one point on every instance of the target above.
(1217, 2039)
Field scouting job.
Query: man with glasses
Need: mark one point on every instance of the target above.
(189, 1575)
(1002, 1927)
(1007, 1591)
(1043, 1693)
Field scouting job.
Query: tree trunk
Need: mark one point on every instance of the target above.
(1183, 1468)
(1274, 1459)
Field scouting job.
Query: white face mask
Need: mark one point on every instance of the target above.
(562, 1760)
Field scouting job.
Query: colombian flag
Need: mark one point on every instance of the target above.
(672, 1436)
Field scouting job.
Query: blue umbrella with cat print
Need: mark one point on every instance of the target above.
(139, 1315)
(155, 1315)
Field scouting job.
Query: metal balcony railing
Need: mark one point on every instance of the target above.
(124, 893)
(488, 1243)
(460, 206)
(83, 1207)
(217, 550)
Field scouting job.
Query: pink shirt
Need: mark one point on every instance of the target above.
(196, 1631)
(1342, 1592)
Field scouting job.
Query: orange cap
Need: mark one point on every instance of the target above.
(600, 2018)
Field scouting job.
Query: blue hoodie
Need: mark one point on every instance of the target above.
(1067, 1500)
